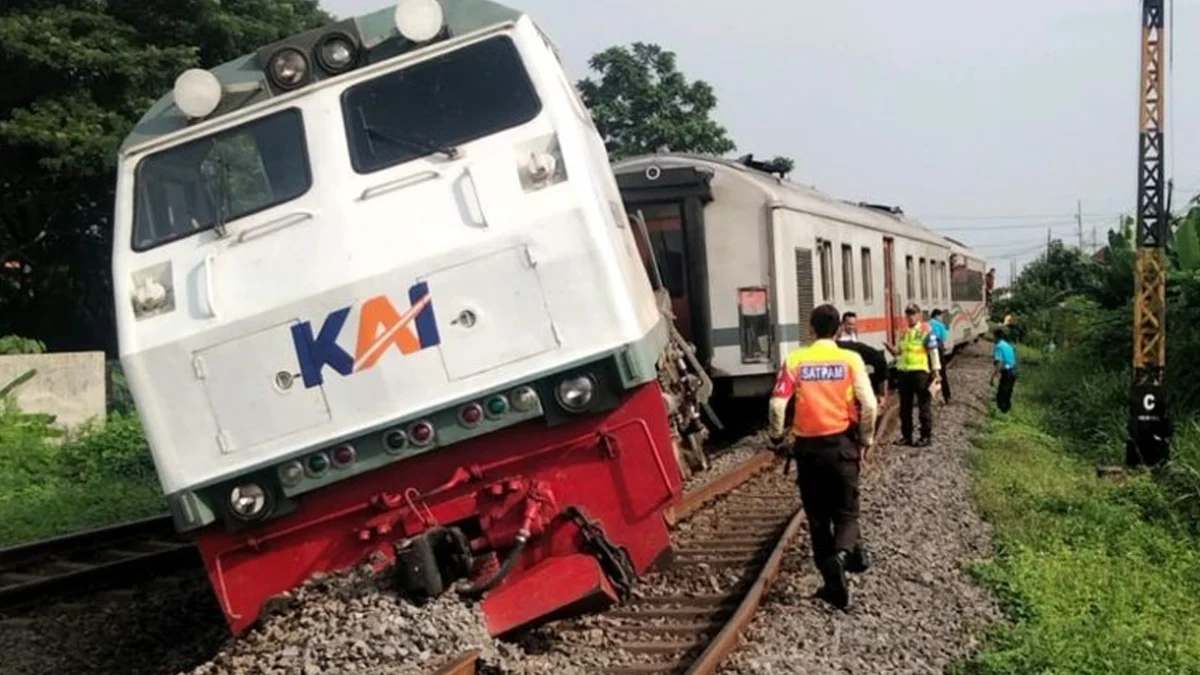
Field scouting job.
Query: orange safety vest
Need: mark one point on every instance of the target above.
(822, 378)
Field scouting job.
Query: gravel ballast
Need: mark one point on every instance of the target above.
(916, 610)
(157, 627)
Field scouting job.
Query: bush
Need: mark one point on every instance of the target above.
(54, 483)
(13, 344)
(1095, 576)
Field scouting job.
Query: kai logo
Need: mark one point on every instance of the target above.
(380, 328)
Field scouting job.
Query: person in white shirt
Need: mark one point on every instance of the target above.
(848, 332)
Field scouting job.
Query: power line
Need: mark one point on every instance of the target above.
(1044, 216)
(1019, 226)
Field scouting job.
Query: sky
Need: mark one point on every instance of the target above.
(988, 121)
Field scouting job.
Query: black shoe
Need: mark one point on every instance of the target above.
(859, 560)
(833, 569)
(905, 441)
(925, 442)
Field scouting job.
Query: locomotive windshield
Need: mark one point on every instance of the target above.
(435, 105)
(194, 186)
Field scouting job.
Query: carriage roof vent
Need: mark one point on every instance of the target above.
(765, 167)
(893, 210)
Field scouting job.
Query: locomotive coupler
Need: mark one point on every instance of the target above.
(429, 562)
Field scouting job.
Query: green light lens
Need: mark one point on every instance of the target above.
(497, 405)
(317, 464)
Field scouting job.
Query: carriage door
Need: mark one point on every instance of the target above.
(889, 287)
(664, 223)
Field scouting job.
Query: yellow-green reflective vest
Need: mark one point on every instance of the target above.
(913, 353)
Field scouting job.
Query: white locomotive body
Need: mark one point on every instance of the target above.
(365, 254)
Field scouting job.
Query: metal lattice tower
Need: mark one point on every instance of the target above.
(1150, 428)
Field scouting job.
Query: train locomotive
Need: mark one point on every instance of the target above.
(379, 301)
(746, 255)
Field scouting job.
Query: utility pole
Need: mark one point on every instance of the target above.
(1149, 424)
(1095, 246)
(1047, 243)
(1079, 220)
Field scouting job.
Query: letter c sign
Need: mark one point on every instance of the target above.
(1148, 402)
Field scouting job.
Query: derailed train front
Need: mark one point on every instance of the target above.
(378, 300)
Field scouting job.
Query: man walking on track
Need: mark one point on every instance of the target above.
(1005, 359)
(832, 440)
(918, 362)
(943, 336)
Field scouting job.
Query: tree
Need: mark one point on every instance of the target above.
(77, 76)
(642, 104)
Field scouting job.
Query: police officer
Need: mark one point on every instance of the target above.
(832, 440)
(918, 361)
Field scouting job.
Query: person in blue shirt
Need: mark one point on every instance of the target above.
(1005, 359)
(943, 336)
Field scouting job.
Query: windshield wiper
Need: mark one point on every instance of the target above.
(410, 139)
(220, 189)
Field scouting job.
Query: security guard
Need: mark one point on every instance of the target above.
(918, 361)
(832, 440)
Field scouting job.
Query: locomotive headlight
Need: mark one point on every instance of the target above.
(540, 163)
(291, 474)
(248, 502)
(288, 68)
(419, 20)
(197, 93)
(576, 392)
(524, 399)
(336, 53)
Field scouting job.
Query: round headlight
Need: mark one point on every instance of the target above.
(288, 68)
(576, 392)
(335, 53)
(419, 20)
(291, 474)
(247, 502)
(524, 399)
(197, 93)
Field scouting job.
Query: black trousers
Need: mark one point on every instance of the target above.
(1008, 379)
(914, 384)
(945, 357)
(829, 489)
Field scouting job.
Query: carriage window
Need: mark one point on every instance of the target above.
(924, 280)
(910, 281)
(225, 176)
(966, 285)
(438, 104)
(868, 287)
(933, 279)
(943, 275)
(848, 272)
(825, 250)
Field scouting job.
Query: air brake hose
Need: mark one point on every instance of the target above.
(474, 591)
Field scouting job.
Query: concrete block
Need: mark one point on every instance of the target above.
(69, 385)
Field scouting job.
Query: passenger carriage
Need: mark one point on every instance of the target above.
(747, 255)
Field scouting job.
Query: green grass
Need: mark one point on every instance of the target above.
(1096, 575)
(51, 485)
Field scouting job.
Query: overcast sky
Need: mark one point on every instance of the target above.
(987, 120)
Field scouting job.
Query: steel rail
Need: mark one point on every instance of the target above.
(116, 553)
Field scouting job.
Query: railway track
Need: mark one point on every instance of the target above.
(662, 633)
(121, 553)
